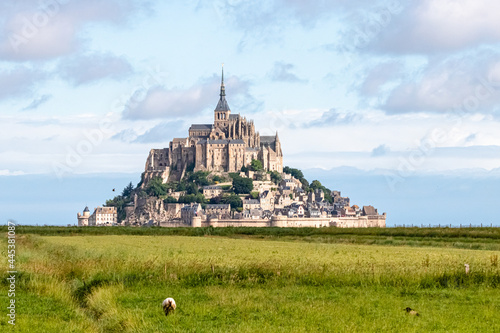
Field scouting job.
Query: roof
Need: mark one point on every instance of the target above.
(267, 139)
(86, 209)
(237, 141)
(105, 210)
(234, 116)
(179, 139)
(222, 105)
(251, 202)
(211, 142)
(218, 206)
(369, 210)
(201, 127)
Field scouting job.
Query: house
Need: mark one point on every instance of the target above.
(288, 183)
(251, 204)
(348, 211)
(212, 191)
(314, 213)
(255, 213)
(316, 196)
(286, 191)
(190, 211)
(103, 216)
(218, 209)
(267, 200)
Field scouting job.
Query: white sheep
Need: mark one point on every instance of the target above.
(466, 268)
(168, 305)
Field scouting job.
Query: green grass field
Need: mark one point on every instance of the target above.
(254, 281)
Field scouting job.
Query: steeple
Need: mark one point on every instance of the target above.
(222, 105)
(222, 87)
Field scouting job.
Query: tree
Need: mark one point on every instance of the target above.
(119, 202)
(218, 179)
(127, 191)
(305, 184)
(256, 165)
(188, 198)
(199, 178)
(191, 188)
(316, 184)
(170, 199)
(244, 169)
(242, 185)
(156, 187)
(232, 199)
(276, 177)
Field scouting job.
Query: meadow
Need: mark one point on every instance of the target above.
(230, 280)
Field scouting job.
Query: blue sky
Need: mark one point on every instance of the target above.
(394, 90)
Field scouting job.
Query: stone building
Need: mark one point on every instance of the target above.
(83, 219)
(102, 216)
(210, 192)
(227, 145)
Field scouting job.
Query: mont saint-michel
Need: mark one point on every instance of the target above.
(227, 174)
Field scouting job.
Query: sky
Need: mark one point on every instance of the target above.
(396, 99)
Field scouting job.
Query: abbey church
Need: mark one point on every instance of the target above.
(227, 145)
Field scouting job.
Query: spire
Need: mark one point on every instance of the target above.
(222, 87)
(222, 105)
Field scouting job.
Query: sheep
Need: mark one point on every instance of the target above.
(168, 305)
(411, 312)
(466, 268)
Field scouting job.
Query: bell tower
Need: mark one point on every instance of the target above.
(222, 111)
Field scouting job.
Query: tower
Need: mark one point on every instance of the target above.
(83, 220)
(222, 111)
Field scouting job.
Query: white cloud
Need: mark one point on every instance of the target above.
(378, 76)
(467, 84)
(163, 132)
(19, 81)
(283, 72)
(429, 26)
(160, 102)
(90, 68)
(35, 30)
(11, 173)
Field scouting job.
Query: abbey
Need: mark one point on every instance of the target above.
(227, 145)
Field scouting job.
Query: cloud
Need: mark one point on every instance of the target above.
(282, 72)
(19, 81)
(127, 135)
(160, 102)
(90, 68)
(380, 151)
(467, 84)
(430, 26)
(378, 76)
(6, 172)
(35, 30)
(39, 122)
(265, 21)
(334, 117)
(163, 132)
(37, 102)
